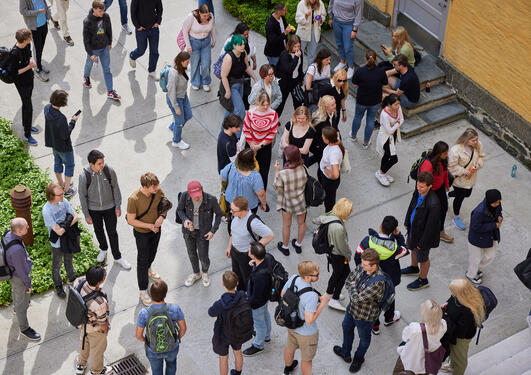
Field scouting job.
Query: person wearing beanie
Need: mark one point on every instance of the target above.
(484, 235)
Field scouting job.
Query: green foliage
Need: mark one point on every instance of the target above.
(17, 167)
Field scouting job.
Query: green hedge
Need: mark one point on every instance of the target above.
(18, 167)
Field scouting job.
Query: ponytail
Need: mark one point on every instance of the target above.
(370, 57)
(332, 135)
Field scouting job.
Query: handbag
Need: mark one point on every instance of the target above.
(314, 193)
(345, 164)
(225, 103)
(297, 93)
(432, 360)
(180, 41)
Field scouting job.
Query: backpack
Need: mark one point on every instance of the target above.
(5, 76)
(320, 239)
(490, 301)
(415, 167)
(106, 172)
(177, 217)
(287, 311)
(523, 270)
(5, 270)
(418, 56)
(279, 276)
(238, 322)
(216, 67)
(314, 193)
(162, 334)
(389, 290)
(163, 78)
(249, 229)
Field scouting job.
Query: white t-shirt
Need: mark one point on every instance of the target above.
(325, 74)
(331, 155)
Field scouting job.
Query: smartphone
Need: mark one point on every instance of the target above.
(382, 46)
(77, 113)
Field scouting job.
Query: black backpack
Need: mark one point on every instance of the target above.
(279, 276)
(177, 217)
(249, 229)
(106, 172)
(314, 193)
(5, 76)
(490, 301)
(415, 167)
(523, 270)
(287, 311)
(5, 270)
(320, 239)
(238, 322)
(162, 334)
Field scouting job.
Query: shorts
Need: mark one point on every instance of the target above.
(307, 344)
(422, 255)
(221, 347)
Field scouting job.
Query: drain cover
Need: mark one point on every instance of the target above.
(129, 365)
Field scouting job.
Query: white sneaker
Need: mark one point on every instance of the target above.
(396, 318)
(132, 62)
(335, 304)
(341, 297)
(124, 263)
(353, 138)
(195, 88)
(366, 145)
(192, 279)
(381, 178)
(182, 145)
(339, 66)
(145, 298)
(154, 75)
(126, 29)
(206, 280)
(350, 73)
(101, 256)
(389, 177)
(206, 88)
(446, 367)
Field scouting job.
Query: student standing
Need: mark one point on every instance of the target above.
(277, 30)
(290, 73)
(228, 141)
(177, 98)
(267, 83)
(36, 14)
(61, 7)
(323, 117)
(310, 17)
(391, 119)
(329, 166)
(339, 91)
(299, 132)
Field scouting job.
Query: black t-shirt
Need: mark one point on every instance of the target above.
(238, 67)
(370, 82)
(338, 96)
(409, 83)
(299, 142)
(226, 149)
(19, 59)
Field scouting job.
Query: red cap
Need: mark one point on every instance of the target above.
(195, 189)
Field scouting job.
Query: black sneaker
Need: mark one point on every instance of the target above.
(30, 334)
(290, 368)
(356, 364)
(418, 284)
(55, 24)
(235, 372)
(107, 370)
(68, 40)
(410, 271)
(60, 292)
(281, 249)
(376, 330)
(252, 350)
(298, 249)
(376, 125)
(339, 352)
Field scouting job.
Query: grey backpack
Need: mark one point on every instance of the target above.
(162, 334)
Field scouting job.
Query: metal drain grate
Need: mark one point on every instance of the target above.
(129, 365)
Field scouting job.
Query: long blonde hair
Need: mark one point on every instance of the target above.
(302, 110)
(341, 74)
(320, 114)
(315, 5)
(431, 316)
(401, 38)
(469, 296)
(466, 136)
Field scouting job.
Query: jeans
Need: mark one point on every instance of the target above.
(142, 39)
(371, 110)
(57, 258)
(262, 326)
(273, 61)
(179, 120)
(344, 43)
(146, 244)
(236, 92)
(340, 272)
(207, 2)
(330, 188)
(109, 217)
(200, 61)
(104, 57)
(66, 158)
(123, 9)
(21, 301)
(25, 92)
(404, 101)
(156, 360)
(364, 331)
(240, 266)
(312, 47)
(197, 247)
(39, 38)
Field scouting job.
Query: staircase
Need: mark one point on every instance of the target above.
(436, 108)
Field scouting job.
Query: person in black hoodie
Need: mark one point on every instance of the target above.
(391, 246)
(57, 136)
(290, 74)
(218, 310)
(97, 38)
(258, 292)
(277, 30)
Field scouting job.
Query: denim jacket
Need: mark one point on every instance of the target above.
(207, 209)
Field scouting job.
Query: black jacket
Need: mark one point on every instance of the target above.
(146, 13)
(70, 240)
(318, 144)
(459, 320)
(425, 231)
(259, 286)
(97, 32)
(208, 208)
(275, 37)
(19, 58)
(483, 231)
(286, 65)
(219, 310)
(57, 130)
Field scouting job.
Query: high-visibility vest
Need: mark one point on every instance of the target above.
(382, 250)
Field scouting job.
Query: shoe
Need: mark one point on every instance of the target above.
(353, 138)
(339, 353)
(145, 298)
(30, 334)
(474, 280)
(86, 82)
(126, 29)
(381, 178)
(389, 178)
(376, 125)
(70, 192)
(290, 368)
(123, 263)
(60, 292)
(41, 75)
(31, 141)
(132, 62)
(206, 279)
(410, 271)
(154, 75)
(34, 130)
(298, 249)
(396, 318)
(190, 280)
(252, 350)
(113, 95)
(45, 70)
(153, 275)
(68, 41)
(335, 304)
(55, 24)
(206, 88)
(101, 256)
(341, 296)
(182, 145)
(340, 65)
(356, 364)
(235, 372)
(446, 367)
(267, 340)
(376, 330)
(107, 370)
(480, 274)
(366, 145)
(418, 284)
(80, 369)
(446, 238)
(350, 73)
(459, 223)
(195, 88)
(282, 249)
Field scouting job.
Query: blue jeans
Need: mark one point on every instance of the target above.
(123, 9)
(236, 92)
(207, 2)
(156, 360)
(404, 101)
(179, 120)
(364, 331)
(262, 326)
(312, 47)
(342, 32)
(66, 159)
(372, 110)
(200, 61)
(142, 38)
(104, 57)
(273, 61)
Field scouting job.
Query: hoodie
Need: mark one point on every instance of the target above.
(57, 130)
(100, 195)
(259, 286)
(337, 234)
(97, 32)
(219, 309)
(18, 259)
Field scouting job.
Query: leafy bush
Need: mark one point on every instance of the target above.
(17, 167)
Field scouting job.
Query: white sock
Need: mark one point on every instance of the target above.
(285, 247)
(298, 244)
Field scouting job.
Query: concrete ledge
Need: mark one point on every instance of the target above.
(370, 12)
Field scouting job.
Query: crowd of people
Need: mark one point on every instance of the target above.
(245, 143)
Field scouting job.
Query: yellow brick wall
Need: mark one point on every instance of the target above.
(490, 42)
(386, 6)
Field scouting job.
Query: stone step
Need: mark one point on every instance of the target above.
(516, 364)
(438, 116)
(438, 95)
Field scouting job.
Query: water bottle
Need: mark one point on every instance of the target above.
(513, 171)
(428, 86)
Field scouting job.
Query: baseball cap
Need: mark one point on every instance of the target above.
(195, 189)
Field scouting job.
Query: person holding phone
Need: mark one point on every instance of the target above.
(196, 209)
(310, 17)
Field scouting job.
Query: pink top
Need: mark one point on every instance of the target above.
(260, 126)
(198, 31)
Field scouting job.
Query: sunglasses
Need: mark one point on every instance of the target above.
(341, 80)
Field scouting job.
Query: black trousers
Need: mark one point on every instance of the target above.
(146, 244)
(388, 314)
(330, 188)
(388, 160)
(263, 157)
(443, 199)
(109, 218)
(286, 85)
(340, 272)
(39, 38)
(459, 195)
(241, 267)
(25, 90)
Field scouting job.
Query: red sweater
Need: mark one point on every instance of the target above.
(258, 126)
(438, 179)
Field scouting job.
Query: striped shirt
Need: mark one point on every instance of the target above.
(259, 126)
